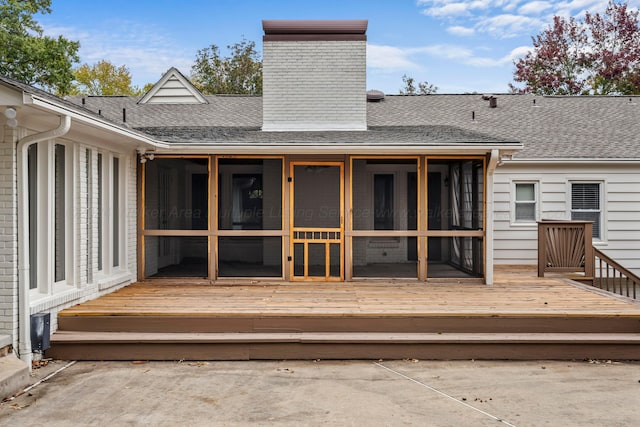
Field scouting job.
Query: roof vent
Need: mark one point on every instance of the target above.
(375, 96)
(493, 101)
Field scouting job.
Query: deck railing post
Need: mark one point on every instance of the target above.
(589, 258)
(542, 248)
(566, 247)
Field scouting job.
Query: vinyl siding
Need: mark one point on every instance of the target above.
(517, 243)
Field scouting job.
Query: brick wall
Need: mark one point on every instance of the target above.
(314, 85)
(8, 233)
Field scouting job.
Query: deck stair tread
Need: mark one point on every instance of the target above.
(62, 337)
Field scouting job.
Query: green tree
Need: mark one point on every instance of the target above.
(26, 54)
(104, 78)
(238, 73)
(423, 88)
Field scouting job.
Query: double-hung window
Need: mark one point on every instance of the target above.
(586, 205)
(525, 202)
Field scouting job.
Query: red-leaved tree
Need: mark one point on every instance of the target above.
(598, 55)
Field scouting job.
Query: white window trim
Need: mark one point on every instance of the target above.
(603, 212)
(107, 214)
(512, 202)
(45, 211)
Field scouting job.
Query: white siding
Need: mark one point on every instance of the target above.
(517, 243)
(314, 85)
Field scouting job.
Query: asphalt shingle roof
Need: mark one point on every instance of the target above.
(606, 127)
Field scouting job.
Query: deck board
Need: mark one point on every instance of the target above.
(516, 292)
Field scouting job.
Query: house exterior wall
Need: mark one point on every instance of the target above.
(87, 281)
(314, 85)
(83, 281)
(516, 243)
(8, 233)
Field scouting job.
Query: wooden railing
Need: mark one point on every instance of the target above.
(612, 277)
(565, 247)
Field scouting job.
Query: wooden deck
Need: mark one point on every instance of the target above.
(520, 316)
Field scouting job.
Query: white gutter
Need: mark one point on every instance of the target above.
(338, 148)
(93, 121)
(488, 232)
(24, 309)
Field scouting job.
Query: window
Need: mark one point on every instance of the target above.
(32, 165)
(99, 215)
(586, 206)
(116, 212)
(60, 217)
(525, 202)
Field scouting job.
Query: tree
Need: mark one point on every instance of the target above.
(239, 73)
(424, 88)
(598, 55)
(104, 78)
(28, 55)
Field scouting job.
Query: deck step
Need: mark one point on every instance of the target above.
(418, 323)
(78, 345)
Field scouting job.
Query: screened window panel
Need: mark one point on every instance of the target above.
(384, 194)
(176, 194)
(250, 256)
(250, 194)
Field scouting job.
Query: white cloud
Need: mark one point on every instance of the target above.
(506, 18)
(394, 59)
(507, 25)
(447, 9)
(458, 30)
(389, 58)
(143, 49)
(534, 7)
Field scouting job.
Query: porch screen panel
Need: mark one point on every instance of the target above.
(250, 194)
(317, 196)
(176, 256)
(456, 202)
(384, 194)
(176, 194)
(455, 222)
(384, 257)
(250, 256)
(456, 256)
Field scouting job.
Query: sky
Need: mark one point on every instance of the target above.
(457, 46)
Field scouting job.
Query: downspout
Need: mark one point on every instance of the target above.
(24, 336)
(491, 167)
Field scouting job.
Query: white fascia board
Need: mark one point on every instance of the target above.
(293, 148)
(146, 141)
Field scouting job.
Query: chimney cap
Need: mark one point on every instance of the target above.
(283, 29)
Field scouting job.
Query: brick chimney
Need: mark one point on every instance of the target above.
(314, 75)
